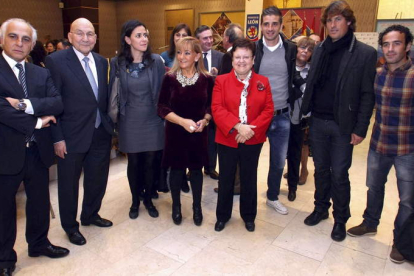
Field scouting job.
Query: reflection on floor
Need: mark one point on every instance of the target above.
(281, 245)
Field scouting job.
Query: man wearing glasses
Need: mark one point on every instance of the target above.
(82, 136)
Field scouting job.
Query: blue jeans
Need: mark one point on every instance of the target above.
(278, 134)
(378, 168)
(332, 156)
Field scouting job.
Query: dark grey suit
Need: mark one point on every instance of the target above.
(216, 58)
(21, 163)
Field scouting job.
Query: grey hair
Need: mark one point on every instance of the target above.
(6, 23)
(231, 33)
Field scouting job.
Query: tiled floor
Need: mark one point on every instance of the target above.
(281, 245)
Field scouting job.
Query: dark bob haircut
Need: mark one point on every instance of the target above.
(179, 27)
(244, 43)
(339, 7)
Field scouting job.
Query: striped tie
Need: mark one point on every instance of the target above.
(22, 80)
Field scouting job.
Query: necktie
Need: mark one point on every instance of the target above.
(22, 80)
(92, 81)
(205, 61)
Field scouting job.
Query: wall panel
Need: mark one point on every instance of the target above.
(108, 30)
(151, 12)
(365, 12)
(45, 15)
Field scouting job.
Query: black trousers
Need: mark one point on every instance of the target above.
(212, 147)
(36, 181)
(196, 181)
(294, 155)
(95, 165)
(248, 158)
(141, 171)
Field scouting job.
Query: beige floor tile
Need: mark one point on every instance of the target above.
(278, 261)
(340, 260)
(309, 241)
(143, 262)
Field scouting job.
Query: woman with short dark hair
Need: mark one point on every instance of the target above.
(242, 108)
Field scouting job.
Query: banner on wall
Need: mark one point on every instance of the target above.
(296, 21)
(252, 26)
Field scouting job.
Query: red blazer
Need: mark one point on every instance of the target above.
(225, 107)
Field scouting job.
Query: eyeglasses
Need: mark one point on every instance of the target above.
(239, 58)
(80, 34)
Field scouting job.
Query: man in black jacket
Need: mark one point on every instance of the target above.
(28, 103)
(275, 59)
(340, 95)
(82, 135)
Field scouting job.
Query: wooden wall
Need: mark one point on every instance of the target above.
(44, 15)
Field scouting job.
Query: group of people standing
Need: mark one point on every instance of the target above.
(179, 110)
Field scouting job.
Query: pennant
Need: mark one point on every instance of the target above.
(304, 26)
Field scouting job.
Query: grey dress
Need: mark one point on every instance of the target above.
(140, 129)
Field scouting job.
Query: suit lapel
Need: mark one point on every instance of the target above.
(76, 67)
(10, 77)
(30, 78)
(344, 64)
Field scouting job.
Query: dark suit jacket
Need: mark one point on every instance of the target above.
(16, 125)
(354, 98)
(216, 57)
(226, 64)
(76, 124)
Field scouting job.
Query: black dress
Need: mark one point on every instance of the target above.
(183, 149)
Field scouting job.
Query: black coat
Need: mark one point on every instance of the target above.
(354, 98)
(16, 125)
(76, 124)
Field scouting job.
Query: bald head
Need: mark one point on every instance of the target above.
(82, 35)
(231, 34)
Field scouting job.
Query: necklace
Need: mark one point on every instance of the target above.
(187, 81)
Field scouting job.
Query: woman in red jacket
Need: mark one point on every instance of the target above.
(242, 108)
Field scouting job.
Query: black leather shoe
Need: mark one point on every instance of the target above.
(315, 218)
(292, 195)
(213, 174)
(184, 187)
(176, 215)
(133, 212)
(7, 271)
(76, 238)
(219, 226)
(197, 215)
(50, 251)
(100, 222)
(152, 211)
(338, 232)
(249, 226)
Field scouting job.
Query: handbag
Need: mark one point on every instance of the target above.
(113, 103)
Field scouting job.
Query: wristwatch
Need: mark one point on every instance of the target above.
(21, 105)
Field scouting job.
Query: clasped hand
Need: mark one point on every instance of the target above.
(191, 126)
(245, 133)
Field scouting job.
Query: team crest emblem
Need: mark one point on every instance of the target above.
(252, 26)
